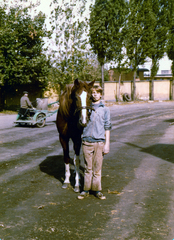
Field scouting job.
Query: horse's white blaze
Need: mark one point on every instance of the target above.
(83, 97)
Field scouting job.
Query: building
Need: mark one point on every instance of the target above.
(127, 75)
(165, 75)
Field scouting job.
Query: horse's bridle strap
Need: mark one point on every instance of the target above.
(80, 108)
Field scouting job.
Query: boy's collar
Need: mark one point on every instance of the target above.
(100, 104)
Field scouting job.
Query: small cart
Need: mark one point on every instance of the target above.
(36, 116)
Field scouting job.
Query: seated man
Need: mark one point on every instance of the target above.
(26, 105)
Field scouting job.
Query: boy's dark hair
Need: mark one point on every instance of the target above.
(97, 88)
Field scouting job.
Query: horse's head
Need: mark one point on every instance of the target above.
(81, 97)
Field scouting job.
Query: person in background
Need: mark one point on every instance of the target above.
(26, 107)
(25, 102)
(95, 143)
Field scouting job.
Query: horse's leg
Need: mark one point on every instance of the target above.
(66, 182)
(77, 171)
(65, 146)
(77, 145)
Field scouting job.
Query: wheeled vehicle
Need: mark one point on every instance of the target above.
(36, 116)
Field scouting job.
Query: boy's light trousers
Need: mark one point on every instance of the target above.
(93, 157)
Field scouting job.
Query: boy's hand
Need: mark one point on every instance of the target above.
(107, 142)
(105, 149)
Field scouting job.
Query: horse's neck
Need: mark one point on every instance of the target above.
(65, 106)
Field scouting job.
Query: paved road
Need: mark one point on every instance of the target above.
(138, 181)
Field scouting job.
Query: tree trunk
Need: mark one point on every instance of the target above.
(2, 102)
(119, 87)
(151, 89)
(102, 82)
(172, 89)
(134, 87)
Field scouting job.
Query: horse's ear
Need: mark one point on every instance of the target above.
(91, 84)
(76, 82)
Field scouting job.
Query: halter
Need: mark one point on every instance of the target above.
(84, 107)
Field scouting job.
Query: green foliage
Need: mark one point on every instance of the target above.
(170, 43)
(145, 34)
(92, 70)
(106, 21)
(70, 25)
(139, 32)
(159, 33)
(22, 58)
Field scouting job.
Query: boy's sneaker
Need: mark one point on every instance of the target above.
(83, 195)
(100, 195)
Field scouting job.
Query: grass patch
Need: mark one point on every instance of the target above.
(8, 112)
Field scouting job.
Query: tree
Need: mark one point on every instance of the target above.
(69, 26)
(160, 24)
(170, 43)
(139, 35)
(92, 69)
(22, 48)
(106, 20)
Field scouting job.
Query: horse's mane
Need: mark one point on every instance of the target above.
(65, 101)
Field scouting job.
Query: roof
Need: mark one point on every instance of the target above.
(138, 70)
(143, 70)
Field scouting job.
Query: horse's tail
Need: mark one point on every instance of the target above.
(65, 101)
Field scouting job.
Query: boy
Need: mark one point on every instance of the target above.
(95, 143)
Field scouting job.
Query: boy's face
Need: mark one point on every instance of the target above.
(96, 96)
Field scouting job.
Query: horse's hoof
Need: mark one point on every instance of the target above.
(65, 185)
(77, 189)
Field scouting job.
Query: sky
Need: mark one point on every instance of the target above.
(164, 63)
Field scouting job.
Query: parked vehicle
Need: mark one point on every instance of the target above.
(36, 116)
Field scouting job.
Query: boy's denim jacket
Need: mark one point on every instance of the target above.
(99, 122)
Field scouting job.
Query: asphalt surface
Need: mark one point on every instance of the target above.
(137, 179)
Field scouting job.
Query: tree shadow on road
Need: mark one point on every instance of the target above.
(160, 150)
(169, 120)
(54, 166)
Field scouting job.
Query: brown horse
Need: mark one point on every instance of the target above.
(73, 115)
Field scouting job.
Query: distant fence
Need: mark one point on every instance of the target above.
(145, 90)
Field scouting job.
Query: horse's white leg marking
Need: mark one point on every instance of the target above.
(83, 97)
(67, 173)
(77, 177)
